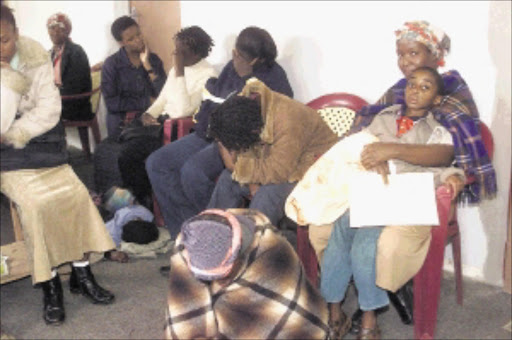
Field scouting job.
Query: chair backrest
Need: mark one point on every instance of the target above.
(95, 98)
(338, 110)
(487, 139)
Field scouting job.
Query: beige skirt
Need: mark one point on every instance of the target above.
(401, 251)
(59, 220)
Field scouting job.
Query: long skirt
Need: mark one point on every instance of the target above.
(401, 251)
(59, 220)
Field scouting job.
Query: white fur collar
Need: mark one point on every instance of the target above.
(31, 54)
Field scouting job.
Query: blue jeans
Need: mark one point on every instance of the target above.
(269, 199)
(352, 251)
(182, 175)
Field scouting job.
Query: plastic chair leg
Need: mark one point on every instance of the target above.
(307, 255)
(427, 283)
(457, 264)
(83, 132)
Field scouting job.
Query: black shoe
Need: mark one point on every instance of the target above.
(403, 302)
(82, 282)
(164, 270)
(53, 302)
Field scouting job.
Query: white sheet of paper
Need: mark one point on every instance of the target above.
(408, 199)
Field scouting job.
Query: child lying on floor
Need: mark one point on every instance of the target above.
(128, 222)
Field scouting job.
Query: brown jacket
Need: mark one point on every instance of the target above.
(293, 136)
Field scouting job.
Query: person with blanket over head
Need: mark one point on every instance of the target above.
(233, 276)
(422, 44)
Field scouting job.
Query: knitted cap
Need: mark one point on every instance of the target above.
(212, 241)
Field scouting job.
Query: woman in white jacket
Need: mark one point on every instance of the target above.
(60, 222)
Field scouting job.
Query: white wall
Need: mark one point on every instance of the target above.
(349, 47)
(91, 22)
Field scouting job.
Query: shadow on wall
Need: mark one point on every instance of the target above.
(494, 213)
(301, 58)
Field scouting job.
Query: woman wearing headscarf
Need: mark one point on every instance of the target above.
(401, 250)
(234, 276)
(60, 222)
(71, 69)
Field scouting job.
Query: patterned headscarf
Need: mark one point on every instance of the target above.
(211, 246)
(432, 37)
(61, 20)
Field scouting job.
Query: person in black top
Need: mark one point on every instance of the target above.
(71, 69)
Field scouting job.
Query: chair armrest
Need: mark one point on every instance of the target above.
(185, 124)
(167, 133)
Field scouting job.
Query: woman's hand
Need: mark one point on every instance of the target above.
(376, 153)
(144, 58)
(179, 60)
(228, 157)
(243, 67)
(456, 185)
(148, 119)
(253, 189)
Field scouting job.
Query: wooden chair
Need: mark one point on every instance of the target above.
(16, 251)
(84, 125)
(427, 283)
(338, 110)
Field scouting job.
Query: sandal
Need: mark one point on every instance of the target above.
(369, 333)
(338, 328)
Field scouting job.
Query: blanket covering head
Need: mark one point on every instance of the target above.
(211, 245)
(267, 297)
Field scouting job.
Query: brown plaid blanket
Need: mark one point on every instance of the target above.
(270, 298)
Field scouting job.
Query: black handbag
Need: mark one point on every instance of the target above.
(135, 129)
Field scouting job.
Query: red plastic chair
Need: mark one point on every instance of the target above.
(427, 283)
(304, 249)
(183, 127)
(83, 125)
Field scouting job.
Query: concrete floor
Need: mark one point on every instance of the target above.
(138, 312)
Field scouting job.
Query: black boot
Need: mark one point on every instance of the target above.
(403, 302)
(53, 302)
(82, 282)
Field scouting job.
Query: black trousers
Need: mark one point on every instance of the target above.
(132, 166)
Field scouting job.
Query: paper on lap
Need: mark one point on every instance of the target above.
(408, 199)
(321, 196)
